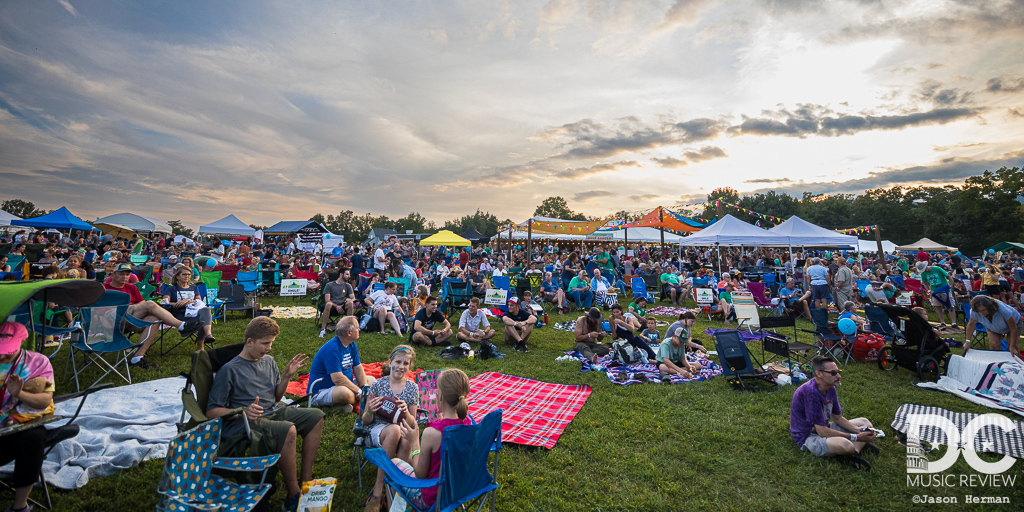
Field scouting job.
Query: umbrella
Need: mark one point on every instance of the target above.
(115, 230)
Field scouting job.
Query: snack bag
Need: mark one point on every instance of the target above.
(316, 495)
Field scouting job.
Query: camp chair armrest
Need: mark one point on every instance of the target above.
(380, 459)
(84, 392)
(809, 331)
(188, 504)
(246, 463)
(141, 324)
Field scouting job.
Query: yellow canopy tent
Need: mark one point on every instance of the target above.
(445, 237)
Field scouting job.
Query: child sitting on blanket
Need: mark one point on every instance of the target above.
(651, 334)
(452, 392)
(672, 354)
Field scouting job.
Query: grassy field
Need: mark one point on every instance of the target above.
(697, 446)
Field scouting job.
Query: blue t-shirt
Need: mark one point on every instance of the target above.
(331, 358)
(786, 293)
(999, 318)
(357, 264)
(811, 407)
(818, 274)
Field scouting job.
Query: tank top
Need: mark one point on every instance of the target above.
(430, 493)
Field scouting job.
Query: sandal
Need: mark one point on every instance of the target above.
(859, 463)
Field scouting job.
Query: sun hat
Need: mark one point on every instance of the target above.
(594, 314)
(11, 336)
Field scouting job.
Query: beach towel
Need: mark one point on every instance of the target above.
(534, 413)
(299, 386)
(990, 439)
(120, 428)
(992, 378)
(292, 311)
(673, 311)
(745, 336)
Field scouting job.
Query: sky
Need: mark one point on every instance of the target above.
(281, 110)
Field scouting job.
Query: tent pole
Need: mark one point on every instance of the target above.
(661, 227)
(529, 243)
(719, 249)
(878, 243)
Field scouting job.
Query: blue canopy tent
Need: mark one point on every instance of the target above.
(60, 219)
(229, 225)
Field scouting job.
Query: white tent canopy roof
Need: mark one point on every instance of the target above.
(730, 231)
(927, 245)
(805, 234)
(136, 222)
(872, 246)
(229, 225)
(6, 218)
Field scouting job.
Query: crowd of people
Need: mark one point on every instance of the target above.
(573, 278)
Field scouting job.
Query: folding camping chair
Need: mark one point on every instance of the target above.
(403, 285)
(640, 289)
(191, 336)
(757, 290)
(456, 293)
(53, 436)
(101, 335)
(880, 322)
(746, 311)
(210, 279)
(838, 346)
(779, 345)
(504, 283)
(250, 282)
(466, 474)
(705, 298)
(738, 366)
(234, 299)
(188, 483)
(361, 443)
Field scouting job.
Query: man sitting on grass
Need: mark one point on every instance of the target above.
(252, 380)
(815, 403)
(518, 325)
(338, 369)
(338, 297)
(588, 335)
(679, 340)
(473, 324)
(430, 327)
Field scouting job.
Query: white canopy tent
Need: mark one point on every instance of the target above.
(805, 234)
(926, 245)
(136, 222)
(6, 218)
(229, 225)
(872, 246)
(732, 232)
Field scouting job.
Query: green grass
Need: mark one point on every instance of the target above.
(696, 446)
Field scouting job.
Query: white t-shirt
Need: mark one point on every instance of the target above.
(379, 261)
(381, 298)
(472, 323)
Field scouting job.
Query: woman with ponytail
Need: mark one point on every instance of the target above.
(389, 436)
(452, 392)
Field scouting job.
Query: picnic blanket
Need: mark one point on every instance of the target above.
(534, 413)
(992, 378)
(672, 311)
(299, 386)
(990, 439)
(120, 428)
(644, 372)
(292, 311)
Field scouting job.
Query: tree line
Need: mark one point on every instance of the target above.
(985, 210)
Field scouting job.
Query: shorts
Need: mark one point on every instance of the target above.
(938, 303)
(993, 289)
(274, 427)
(431, 337)
(322, 398)
(375, 431)
(818, 445)
(820, 292)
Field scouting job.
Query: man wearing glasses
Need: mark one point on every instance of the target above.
(816, 420)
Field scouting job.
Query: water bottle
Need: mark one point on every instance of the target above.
(546, 318)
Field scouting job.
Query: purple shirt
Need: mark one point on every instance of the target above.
(811, 407)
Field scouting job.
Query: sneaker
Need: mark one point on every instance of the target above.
(323, 332)
(344, 409)
(526, 350)
(191, 325)
(517, 347)
(28, 508)
(291, 504)
(145, 365)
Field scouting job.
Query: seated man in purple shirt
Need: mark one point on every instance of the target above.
(816, 420)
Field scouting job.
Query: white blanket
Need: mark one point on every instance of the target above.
(120, 427)
(965, 374)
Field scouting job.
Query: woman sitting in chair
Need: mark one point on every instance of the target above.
(849, 308)
(182, 295)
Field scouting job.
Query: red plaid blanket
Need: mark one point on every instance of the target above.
(534, 413)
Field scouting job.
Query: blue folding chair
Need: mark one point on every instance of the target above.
(838, 346)
(640, 289)
(250, 281)
(504, 283)
(466, 473)
(881, 323)
(738, 366)
(862, 285)
(101, 336)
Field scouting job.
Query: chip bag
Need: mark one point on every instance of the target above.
(316, 495)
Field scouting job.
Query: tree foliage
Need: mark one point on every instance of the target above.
(22, 208)
(177, 228)
(558, 208)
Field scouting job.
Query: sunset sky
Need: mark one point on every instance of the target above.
(280, 110)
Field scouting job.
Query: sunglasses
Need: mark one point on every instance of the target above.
(833, 372)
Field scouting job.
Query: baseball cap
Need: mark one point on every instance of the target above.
(513, 300)
(11, 336)
(123, 267)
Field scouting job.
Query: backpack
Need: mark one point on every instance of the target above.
(623, 354)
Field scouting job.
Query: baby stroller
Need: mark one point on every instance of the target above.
(919, 349)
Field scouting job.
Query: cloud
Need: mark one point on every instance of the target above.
(932, 90)
(948, 23)
(670, 162)
(592, 194)
(947, 170)
(768, 180)
(589, 139)
(688, 157)
(68, 7)
(580, 172)
(809, 119)
(1005, 84)
(644, 197)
